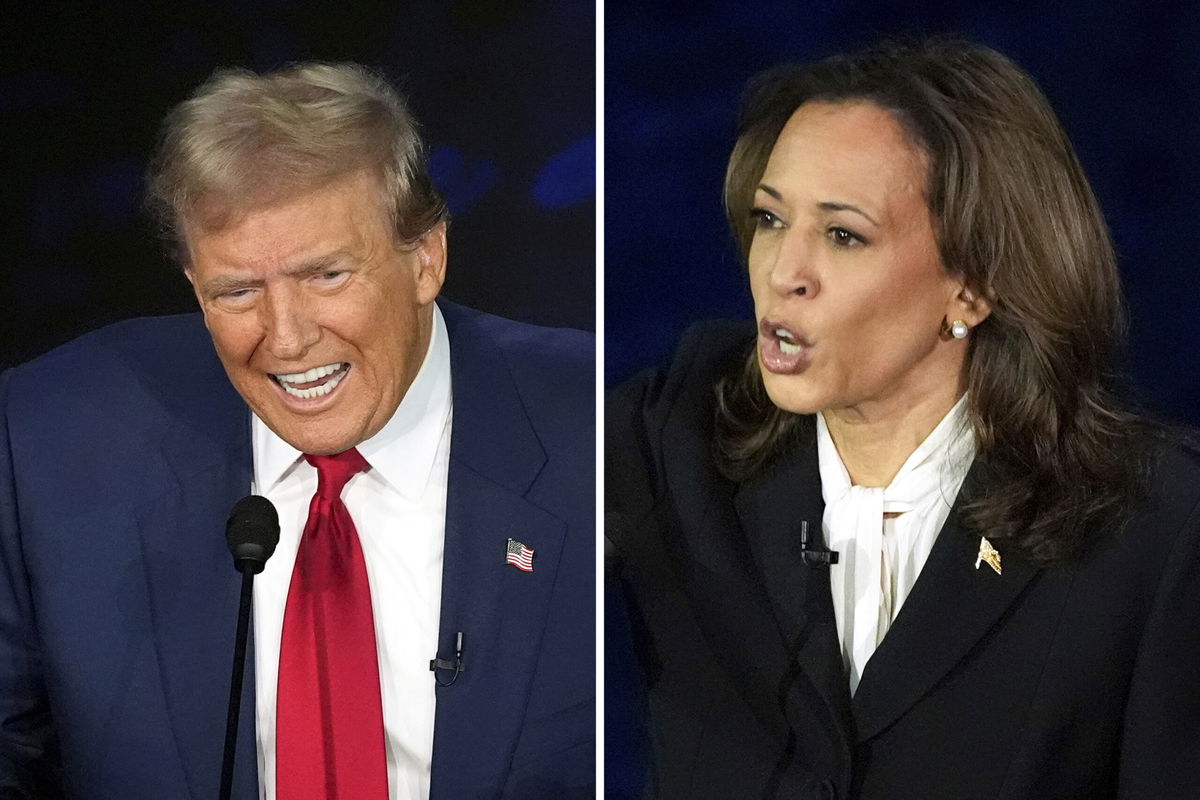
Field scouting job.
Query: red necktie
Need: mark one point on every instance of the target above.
(329, 740)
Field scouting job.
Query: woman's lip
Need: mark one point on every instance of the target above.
(770, 349)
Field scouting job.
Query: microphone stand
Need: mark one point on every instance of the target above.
(235, 684)
(252, 533)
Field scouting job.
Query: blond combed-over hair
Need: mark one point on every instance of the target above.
(245, 141)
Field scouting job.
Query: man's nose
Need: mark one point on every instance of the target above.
(288, 324)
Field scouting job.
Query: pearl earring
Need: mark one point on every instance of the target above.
(958, 329)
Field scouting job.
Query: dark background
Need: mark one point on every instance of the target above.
(505, 92)
(1124, 78)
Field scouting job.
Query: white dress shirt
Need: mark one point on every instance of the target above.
(399, 509)
(881, 556)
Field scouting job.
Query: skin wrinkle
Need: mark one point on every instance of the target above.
(274, 306)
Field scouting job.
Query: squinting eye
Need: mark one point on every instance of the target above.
(764, 219)
(842, 237)
(331, 278)
(235, 299)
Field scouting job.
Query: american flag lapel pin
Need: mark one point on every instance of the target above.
(988, 555)
(519, 556)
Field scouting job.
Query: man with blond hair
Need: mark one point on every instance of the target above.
(432, 467)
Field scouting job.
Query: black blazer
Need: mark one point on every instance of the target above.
(1076, 681)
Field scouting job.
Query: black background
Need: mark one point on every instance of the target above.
(505, 92)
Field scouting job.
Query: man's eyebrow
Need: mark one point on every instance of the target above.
(227, 283)
(315, 266)
(305, 269)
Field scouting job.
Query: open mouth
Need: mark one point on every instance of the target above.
(788, 344)
(781, 349)
(313, 383)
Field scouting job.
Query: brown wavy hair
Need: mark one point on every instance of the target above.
(1015, 217)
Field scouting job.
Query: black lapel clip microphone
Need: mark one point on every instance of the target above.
(456, 666)
(814, 555)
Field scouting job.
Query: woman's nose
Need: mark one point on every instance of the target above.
(792, 270)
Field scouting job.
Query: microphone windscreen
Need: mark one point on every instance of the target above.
(252, 532)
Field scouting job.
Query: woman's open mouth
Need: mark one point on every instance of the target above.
(781, 349)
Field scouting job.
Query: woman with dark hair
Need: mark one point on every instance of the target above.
(904, 539)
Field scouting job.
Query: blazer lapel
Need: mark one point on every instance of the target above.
(500, 610)
(193, 589)
(770, 507)
(951, 606)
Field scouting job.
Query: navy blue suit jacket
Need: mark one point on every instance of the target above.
(121, 456)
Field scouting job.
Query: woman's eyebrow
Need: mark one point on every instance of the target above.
(827, 205)
(771, 190)
(831, 206)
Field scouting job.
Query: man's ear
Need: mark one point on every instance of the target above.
(191, 278)
(430, 255)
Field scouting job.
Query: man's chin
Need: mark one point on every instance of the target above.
(320, 446)
(317, 437)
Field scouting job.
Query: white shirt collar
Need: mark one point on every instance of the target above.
(402, 452)
(882, 556)
(951, 443)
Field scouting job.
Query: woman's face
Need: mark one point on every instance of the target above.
(849, 290)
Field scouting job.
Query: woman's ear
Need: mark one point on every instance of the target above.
(971, 307)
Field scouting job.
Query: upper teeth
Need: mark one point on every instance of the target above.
(787, 342)
(311, 375)
(287, 381)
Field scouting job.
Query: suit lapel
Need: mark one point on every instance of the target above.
(951, 606)
(770, 507)
(501, 611)
(205, 466)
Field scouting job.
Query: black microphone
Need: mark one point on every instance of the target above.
(251, 533)
(814, 555)
(442, 663)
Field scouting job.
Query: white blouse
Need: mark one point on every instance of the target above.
(880, 557)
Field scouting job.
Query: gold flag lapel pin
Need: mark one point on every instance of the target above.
(989, 554)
